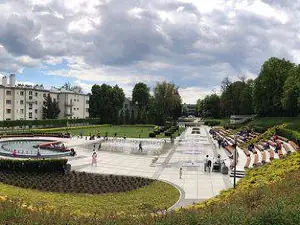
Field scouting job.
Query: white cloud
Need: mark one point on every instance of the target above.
(193, 43)
(190, 95)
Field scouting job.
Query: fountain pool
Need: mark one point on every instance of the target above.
(25, 148)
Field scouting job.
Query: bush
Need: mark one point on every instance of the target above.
(152, 134)
(52, 123)
(34, 165)
(212, 123)
(259, 129)
(289, 134)
(168, 133)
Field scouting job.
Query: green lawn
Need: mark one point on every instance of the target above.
(128, 131)
(158, 195)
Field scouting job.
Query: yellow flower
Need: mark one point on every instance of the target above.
(3, 198)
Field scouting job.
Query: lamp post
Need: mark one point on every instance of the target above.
(235, 159)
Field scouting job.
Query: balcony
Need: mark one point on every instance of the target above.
(69, 104)
(69, 113)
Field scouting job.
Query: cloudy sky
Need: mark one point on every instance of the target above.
(193, 43)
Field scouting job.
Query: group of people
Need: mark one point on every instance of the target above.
(207, 165)
(266, 145)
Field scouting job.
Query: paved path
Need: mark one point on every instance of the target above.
(188, 153)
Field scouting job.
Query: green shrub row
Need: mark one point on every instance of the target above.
(171, 130)
(139, 125)
(156, 131)
(34, 165)
(52, 123)
(289, 134)
(212, 123)
(60, 129)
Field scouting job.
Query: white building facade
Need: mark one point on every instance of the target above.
(25, 102)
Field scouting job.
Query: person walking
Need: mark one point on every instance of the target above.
(208, 165)
(140, 146)
(180, 173)
(94, 159)
(99, 147)
(205, 163)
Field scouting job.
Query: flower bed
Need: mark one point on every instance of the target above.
(74, 182)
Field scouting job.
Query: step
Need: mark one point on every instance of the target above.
(238, 176)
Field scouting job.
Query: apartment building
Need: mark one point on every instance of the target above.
(25, 102)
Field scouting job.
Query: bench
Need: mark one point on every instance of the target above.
(286, 148)
(294, 145)
(272, 153)
(248, 161)
(255, 163)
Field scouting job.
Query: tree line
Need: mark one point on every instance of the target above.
(275, 92)
(106, 103)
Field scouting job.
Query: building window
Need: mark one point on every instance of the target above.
(30, 106)
(21, 102)
(87, 102)
(36, 111)
(36, 94)
(8, 111)
(30, 115)
(30, 97)
(36, 102)
(87, 110)
(30, 92)
(44, 95)
(7, 119)
(8, 101)
(74, 109)
(22, 93)
(8, 92)
(77, 109)
(21, 111)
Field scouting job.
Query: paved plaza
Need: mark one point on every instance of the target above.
(121, 157)
(188, 152)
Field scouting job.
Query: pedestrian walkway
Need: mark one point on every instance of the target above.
(188, 152)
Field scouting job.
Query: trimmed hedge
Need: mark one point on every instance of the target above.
(152, 134)
(289, 134)
(53, 123)
(212, 123)
(34, 165)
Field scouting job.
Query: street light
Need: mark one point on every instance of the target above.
(235, 159)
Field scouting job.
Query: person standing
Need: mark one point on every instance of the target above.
(99, 147)
(140, 146)
(180, 173)
(219, 142)
(94, 159)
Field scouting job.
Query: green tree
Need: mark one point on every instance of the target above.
(167, 102)
(230, 97)
(210, 106)
(106, 103)
(122, 117)
(50, 108)
(246, 99)
(132, 117)
(268, 87)
(140, 97)
(127, 116)
(291, 92)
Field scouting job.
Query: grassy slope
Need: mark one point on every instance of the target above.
(267, 195)
(294, 122)
(158, 195)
